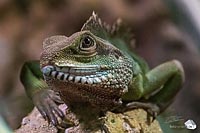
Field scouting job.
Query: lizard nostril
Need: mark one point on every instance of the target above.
(116, 56)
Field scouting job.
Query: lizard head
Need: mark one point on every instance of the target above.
(88, 61)
(84, 58)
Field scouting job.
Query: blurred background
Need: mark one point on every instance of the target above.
(163, 30)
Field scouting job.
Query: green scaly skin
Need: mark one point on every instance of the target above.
(94, 67)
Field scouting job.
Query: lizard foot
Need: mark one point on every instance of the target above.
(46, 102)
(152, 109)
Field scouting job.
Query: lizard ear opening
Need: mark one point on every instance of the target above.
(53, 40)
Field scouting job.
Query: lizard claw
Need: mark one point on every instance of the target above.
(46, 102)
(65, 123)
(151, 113)
(152, 109)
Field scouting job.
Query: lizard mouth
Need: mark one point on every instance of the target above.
(90, 74)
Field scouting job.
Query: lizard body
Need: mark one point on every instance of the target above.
(95, 67)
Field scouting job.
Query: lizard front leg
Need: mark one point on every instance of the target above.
(157, 88)
(43, 98)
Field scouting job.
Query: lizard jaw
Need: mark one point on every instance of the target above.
(93, 85)
(77, 74)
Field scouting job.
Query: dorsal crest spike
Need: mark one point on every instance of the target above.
(92, 23)
(108, 32)
(94, 14)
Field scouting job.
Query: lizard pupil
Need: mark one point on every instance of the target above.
(87, 45)
(87, 42)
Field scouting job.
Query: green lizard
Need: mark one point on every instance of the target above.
(95, 67)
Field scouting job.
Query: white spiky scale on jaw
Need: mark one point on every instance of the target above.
(103, 78)
(97, 80)
(65, 76)
(61, 74)
(90, 81)
(77, 79)
(70, 78)
(110, 76)
(54, 73)
(47, 70)
(83, 80)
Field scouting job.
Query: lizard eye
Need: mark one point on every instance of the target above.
(87, 44)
